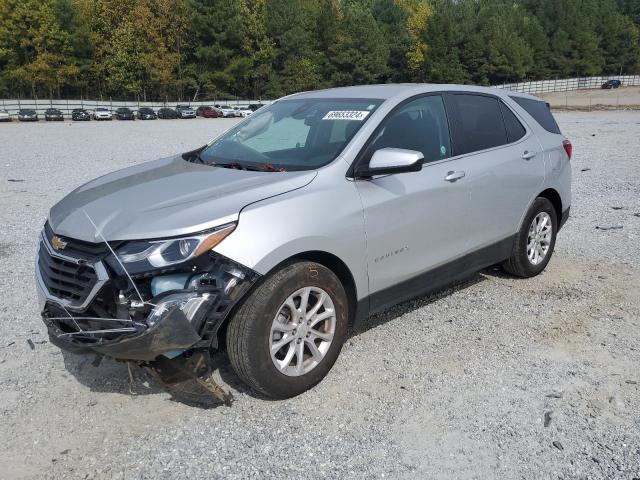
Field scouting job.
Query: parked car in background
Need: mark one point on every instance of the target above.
(255, 106)
(206, 111)
(27, 115)
(609, 84)
(124, 113)
(4, 116)
(242, 111)
(102, 113)
(167, 113)
(227, 111)
(185, 111)
(146, 113)
(222, 245)
(80, 115)
(53, 115)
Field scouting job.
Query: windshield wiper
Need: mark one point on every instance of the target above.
(238, 166)
(267, 167)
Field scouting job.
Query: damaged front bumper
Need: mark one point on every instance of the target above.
(172, 333)
(90, 305)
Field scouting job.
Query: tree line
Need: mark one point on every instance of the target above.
(206, 49)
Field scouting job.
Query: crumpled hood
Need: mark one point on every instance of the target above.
(165, 198)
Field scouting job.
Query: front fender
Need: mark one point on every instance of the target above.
(324, 216)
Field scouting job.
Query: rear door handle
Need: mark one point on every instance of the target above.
(454, 176)
(529, 155)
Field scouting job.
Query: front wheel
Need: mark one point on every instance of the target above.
(535, 241)
(288, 334)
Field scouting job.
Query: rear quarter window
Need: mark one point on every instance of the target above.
(540, 111)
(515, 130)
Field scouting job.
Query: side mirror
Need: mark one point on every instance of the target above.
(388, 161)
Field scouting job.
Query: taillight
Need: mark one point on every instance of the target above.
(568, 148)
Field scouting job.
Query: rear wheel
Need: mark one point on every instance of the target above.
(287, 335)
(535, 241)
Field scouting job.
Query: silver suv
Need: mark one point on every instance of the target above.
(312, 214)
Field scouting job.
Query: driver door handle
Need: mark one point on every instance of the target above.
(454, 176)
(527, 155)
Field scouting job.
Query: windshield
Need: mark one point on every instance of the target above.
(296, 134)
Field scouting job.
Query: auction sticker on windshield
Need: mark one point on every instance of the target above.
(358, 115)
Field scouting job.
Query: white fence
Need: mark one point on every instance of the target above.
(567, 84)
(66, 106)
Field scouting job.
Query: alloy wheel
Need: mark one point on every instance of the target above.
(302, 331)
(539, 238)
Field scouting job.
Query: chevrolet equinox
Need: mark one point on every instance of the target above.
(311, 214)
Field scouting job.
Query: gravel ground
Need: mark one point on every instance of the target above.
(495, 378)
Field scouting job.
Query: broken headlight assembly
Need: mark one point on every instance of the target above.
(144, 255)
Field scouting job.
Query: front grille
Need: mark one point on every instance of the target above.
(65, 279)
(78, 248)
(74, 274)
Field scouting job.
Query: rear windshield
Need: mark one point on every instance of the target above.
(540, 111)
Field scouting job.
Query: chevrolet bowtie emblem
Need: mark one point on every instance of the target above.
(58, 243)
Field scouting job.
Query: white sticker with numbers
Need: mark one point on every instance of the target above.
(357, 115)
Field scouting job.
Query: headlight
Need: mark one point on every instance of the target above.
(163, 253)
(189, 303)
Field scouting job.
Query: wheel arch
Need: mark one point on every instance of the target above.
(553, 196)
(326, 259)
(340, 269)
(550, 194)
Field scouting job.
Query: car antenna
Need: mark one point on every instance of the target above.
(135, 287)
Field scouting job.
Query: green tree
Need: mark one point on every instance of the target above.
(291, 25)
(618, 40)
(392, 21)
(250, 48)
(35, 52)
(358, 54)
(448, 28)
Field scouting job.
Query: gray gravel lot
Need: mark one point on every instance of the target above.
(495, 378)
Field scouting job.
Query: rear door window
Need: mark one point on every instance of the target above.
(477, 123)
(515, 130)
(540, 111)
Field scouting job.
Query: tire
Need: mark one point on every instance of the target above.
(520, 264)
(250, 332)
